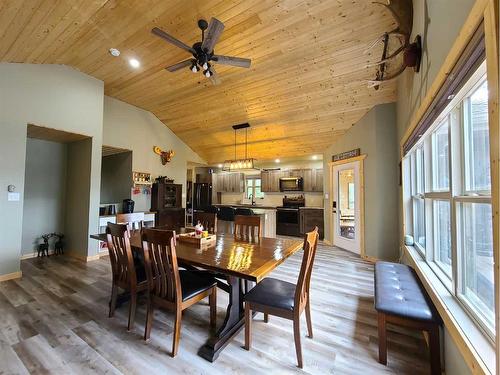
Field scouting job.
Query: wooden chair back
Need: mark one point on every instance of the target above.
(207, 219)
(120, 254)
(134, 220)
(304, 281)
(160, 260)
(247, 228)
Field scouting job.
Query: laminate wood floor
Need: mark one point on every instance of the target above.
(54, 321)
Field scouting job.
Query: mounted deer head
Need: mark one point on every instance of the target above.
(402, 11)
(165, 156)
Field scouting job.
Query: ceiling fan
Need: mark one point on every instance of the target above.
(203, 52)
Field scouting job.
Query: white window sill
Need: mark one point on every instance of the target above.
(475, 347)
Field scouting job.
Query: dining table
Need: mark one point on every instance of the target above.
(233, 262)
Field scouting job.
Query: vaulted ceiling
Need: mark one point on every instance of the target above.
(306, 85)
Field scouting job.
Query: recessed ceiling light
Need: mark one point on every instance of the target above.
(134, 63)
(277, 160)
(219, 165)
(315, 157)
(114, 52)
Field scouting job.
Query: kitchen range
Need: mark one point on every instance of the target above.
(287, 216)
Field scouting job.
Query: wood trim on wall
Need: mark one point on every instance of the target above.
(487, 11)
(474, 19)
(329, 211)
(491, 41)
(11, 276)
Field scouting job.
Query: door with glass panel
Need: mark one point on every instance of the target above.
(346, 210)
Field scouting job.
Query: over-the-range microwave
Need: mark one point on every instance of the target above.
(291, 184)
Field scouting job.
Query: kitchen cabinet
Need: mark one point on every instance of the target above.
(270, 180)
(309, 218)
(313, 179)
(318, 180)
(229, 182)
(309, 181)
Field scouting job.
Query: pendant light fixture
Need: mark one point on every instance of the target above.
(246, 163)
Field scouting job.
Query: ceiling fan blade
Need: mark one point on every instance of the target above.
(214, 78)
(176, 42)
(231, 60)
(212, 35)
(179, 65)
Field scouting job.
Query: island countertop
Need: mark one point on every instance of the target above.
(240, 205)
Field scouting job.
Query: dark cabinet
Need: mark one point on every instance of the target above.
(166, 200)
(310, 218)
(165, 196)
(172, 218)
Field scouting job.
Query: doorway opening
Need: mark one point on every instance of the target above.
(56, 190)
(348, 203)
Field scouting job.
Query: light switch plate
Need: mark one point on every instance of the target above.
(13, 197)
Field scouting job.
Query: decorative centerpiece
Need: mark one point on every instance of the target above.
(199, 237)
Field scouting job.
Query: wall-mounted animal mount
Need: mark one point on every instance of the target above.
(398, 53)
(165, 156)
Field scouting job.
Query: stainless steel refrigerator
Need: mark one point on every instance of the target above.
(202, 196)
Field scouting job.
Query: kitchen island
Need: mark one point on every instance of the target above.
(266, 213)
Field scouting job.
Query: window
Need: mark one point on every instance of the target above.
(253, 188)
(440, 154)
(442, 235)
(449, 200)
(477, 146)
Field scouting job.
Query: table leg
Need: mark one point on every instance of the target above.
(233, 322)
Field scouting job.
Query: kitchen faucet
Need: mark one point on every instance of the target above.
(252, 198)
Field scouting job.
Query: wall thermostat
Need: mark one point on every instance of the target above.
(11, 188)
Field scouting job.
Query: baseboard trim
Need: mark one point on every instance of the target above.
(370, 258)
(34, 255)
(83, 258)
(11, 276)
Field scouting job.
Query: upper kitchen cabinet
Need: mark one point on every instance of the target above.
(271, 180)
(317, 179)
(313, 179)
(229, 182)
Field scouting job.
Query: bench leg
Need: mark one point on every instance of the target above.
(382, 339)
(435, 350)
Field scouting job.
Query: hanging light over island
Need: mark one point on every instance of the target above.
(245, 163)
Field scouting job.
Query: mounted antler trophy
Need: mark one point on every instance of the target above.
(165, 156)
(398, 53)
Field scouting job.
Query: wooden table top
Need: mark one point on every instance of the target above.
(247, 260)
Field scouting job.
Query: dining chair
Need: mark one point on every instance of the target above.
(247, 228)
(284, 299)
(170, 288)
(133, 220)
(125, 275)
(207, 219)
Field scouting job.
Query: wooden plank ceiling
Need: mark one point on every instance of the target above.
(306, 85)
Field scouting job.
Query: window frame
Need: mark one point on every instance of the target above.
(457, 193)
(253, 178)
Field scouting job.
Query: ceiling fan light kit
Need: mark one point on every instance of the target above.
(203, 52)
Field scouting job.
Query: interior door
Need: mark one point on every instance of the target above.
(346, 210)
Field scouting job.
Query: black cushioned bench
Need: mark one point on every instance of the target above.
(401, 299)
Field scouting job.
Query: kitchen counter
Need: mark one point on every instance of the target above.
(255, 206)
(311, 208)
(145, 213)
(149, 218)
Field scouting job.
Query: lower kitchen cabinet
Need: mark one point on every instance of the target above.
(310, 218)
